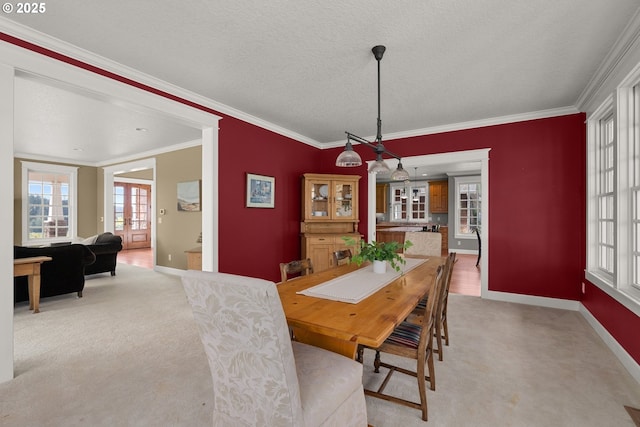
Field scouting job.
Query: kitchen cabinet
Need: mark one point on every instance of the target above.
(385, 236)
(329, 212)
(381, 197)
(439, 197)
(444, 230)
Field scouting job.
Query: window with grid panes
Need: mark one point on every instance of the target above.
(409, 202)
(634, 190)
(606, 196)
(48, 202)
(468, 200)
(613, 188)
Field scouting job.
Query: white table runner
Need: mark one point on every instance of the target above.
(358, 285)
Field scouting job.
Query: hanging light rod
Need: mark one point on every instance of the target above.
(349, 158)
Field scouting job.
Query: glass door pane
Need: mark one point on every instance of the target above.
(344, 200)
(319, 199)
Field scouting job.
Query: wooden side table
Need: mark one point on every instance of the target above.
(31, 267)
(194, 259)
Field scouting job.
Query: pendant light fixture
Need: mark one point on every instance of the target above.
(349, 158)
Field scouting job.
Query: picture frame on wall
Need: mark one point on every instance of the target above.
(261, 191)
(189, 196)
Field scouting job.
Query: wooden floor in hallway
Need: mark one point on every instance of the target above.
(138, 257)
(465, 279)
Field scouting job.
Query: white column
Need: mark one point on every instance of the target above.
(210, 235)
(6, 219)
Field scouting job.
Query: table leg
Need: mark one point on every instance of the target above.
(34, 291)
(30, 287)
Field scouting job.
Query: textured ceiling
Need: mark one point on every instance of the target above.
(307, 66)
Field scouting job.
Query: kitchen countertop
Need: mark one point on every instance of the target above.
(401, 229)
(407, 224)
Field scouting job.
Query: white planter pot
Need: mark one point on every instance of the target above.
(379, 267)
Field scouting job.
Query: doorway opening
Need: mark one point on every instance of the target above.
(132, 214)
(453, 163)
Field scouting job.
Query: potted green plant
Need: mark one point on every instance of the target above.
(378, 253)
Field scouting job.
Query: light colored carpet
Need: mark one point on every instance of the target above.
(128, 354)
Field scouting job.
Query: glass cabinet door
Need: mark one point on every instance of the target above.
(319, 199)
(343, 207)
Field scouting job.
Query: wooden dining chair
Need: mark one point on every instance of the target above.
(342, 257)
(301, 267)
(441, 328)
(414, 341)
(477, 231)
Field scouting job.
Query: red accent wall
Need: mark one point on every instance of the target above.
(537, 199)
(254, 241)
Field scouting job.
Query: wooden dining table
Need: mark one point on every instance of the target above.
(341, 326)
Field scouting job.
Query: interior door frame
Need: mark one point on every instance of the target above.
(110, 179)
(151, 215)
(137, 90)
(481, 156)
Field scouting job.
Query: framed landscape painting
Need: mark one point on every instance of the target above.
(261, 191)
(189, 196)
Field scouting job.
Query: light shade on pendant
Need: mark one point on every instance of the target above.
(400, 174)
(348, 158)
(379, 166)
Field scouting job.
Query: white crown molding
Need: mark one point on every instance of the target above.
(629, 38)
(543, 114)
(49, 159)
(115, 161)
(150, 153)
(45, 41)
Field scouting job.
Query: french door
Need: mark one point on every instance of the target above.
(132, 214)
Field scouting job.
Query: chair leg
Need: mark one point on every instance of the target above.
(432, 371)
(376, 363)
(439, 341)
(359, 354)
(446, 331)
(422, 388)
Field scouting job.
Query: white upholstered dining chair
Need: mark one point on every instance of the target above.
(260, 377)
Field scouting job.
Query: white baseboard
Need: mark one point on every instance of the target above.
(169, 270)
(627, 361)
(564, 304)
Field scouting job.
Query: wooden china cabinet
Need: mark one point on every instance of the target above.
(329, 212)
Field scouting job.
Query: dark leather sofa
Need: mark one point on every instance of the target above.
(105, 248)
(62, 275)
